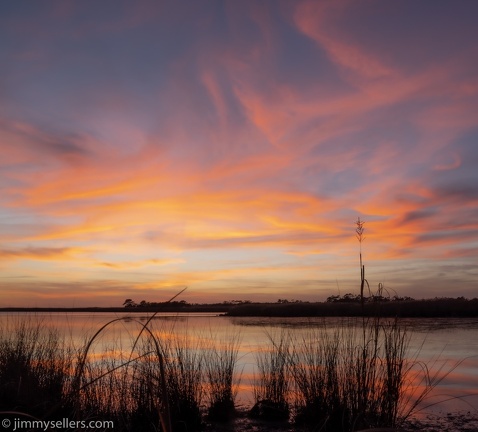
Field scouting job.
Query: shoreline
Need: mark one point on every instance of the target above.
(459, 421)
(426, 308)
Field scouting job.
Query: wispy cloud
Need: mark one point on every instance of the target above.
(36, 253)
(154, 146)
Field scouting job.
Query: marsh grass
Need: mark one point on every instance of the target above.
(119, 388)
(127, 384)
(114, 385)
(34, 368)
(342, 380)
(159, 382)
(314, 367)
(356, 376)
(184, 376)
(272, 386)
(221, 376)
(372, 374)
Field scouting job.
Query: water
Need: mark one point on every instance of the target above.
(448, 348)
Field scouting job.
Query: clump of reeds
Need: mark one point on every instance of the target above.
(121, 385)
(158, 383)
(372, 373)
(184, 376)
(221, 360)
(352, 378)
(357, 376)
(314, 370)
(34, 368)
(272, 387)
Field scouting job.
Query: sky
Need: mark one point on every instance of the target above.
(230, 146)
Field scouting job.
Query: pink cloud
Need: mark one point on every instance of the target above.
(316, 20)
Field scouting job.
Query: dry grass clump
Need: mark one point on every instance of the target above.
(357, 376)
(342, 380)
(372, 373)
(34, 368)
(184, 376)
(272, 387)
(314, 369)
(221, 362)
(156, 381)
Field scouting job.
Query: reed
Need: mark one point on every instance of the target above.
(357, 376)
(34, 368)
(352, 378)
(160, 382)
(314, 368)
(272, 387)
(120, 385)
(221, 362)
(184, 374)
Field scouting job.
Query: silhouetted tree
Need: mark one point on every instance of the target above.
(129, 303)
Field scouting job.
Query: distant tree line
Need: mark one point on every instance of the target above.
(357, 298)
(348, 298)
(130, 303)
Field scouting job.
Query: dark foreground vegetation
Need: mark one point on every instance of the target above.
(355, 377)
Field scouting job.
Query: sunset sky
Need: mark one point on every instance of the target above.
(229, 146)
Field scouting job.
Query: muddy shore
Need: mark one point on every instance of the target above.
(463, 421)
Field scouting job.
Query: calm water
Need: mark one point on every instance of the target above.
(447, 344)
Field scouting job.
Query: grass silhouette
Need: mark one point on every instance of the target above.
(358, 375)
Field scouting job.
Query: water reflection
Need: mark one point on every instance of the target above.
(446, 347)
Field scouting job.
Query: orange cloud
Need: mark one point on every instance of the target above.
(40, 253)
(136, 264)
(259, 139)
